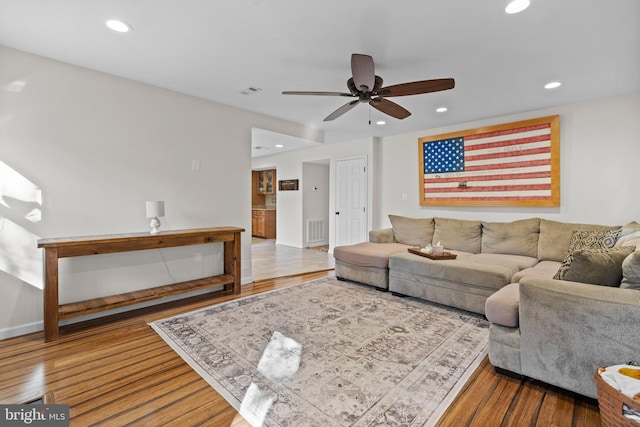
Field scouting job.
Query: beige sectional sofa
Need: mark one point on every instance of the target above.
(558, 330)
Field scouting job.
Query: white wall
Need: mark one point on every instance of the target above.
(599, 152)
(86, 150)
(600, 149)
(315, 192)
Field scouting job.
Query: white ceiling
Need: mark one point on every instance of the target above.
(216, 49)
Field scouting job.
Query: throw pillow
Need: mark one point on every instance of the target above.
(630, 235)
(591, 239)
(631, 271)
(598, 266)
(412, 231)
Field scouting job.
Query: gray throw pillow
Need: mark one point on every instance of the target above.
(590, 239)
(412, 231)
(598, 266)
(631, 271)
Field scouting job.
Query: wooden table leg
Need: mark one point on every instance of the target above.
(50, 294)
(232, 254)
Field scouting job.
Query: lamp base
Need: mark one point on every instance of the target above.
(155, 224)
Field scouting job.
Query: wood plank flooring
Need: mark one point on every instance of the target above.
(117, 371)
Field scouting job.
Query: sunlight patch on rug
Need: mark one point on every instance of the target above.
(331, 353)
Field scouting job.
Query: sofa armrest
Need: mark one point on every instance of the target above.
(384, 235)
(570, 329)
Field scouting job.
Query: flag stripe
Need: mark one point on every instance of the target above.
(498, 175)
(510, 154)
(500, 133)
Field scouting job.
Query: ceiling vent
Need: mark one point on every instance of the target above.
(250, 90)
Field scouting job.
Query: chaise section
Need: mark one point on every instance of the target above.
(460, 283)
(366, 262)
(573, 328)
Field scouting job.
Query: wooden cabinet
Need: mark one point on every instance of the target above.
(263, 223)
(266, 181)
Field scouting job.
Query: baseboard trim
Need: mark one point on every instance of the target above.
(16, 331)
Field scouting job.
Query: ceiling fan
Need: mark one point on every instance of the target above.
(367, 87)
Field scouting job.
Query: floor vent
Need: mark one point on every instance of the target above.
(315, 230)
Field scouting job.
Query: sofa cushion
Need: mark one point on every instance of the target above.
(502, 306)
(368, 254)
(543, 269)
(555, 237)
(590, 239)
(412, 231)
(598, 266)
(461, 271)
(514, 238)
(458, 234)
(520, 260)
(631, 271)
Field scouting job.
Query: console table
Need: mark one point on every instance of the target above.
(57, 248)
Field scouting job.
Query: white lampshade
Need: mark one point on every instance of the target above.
(155, 209)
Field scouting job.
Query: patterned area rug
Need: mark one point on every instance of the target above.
(331, 353)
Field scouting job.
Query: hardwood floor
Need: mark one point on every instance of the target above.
(270, 260)
(117, 371)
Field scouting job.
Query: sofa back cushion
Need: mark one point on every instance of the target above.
(511, 238)
(555, 236)
(412, 231)
(458, 234)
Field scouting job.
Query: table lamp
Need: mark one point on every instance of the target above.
(155, 210)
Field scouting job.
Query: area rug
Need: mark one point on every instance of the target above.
(331, 353)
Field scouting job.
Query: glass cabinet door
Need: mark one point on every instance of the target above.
(269, 182)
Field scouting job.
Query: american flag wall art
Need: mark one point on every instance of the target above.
(514, 164)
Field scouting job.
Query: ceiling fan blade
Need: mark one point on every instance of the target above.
(415, 88)
(390, 108)
(363, 72)
(340, 111)
(293, 92)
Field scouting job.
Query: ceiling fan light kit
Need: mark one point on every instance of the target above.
(366, 86)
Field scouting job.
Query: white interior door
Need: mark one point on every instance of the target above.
(351, 201)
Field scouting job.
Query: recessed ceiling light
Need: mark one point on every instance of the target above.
(381, 122)
(119, 26)
(517, 6)
(441, 109)
(552, 85)
(279, 145)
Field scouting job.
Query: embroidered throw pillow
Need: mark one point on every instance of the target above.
(590, 239)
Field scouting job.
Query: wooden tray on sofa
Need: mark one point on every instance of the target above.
(445, 255)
